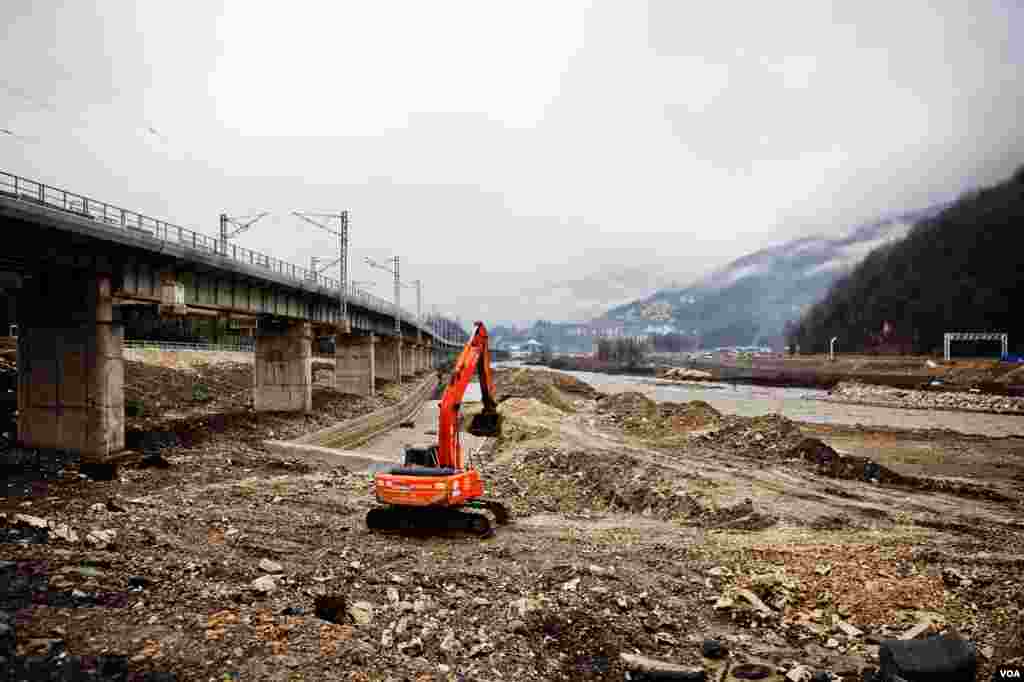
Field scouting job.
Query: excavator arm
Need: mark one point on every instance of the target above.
(475, 356)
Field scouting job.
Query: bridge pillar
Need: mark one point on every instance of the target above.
(284, 367)
(407, 367)
(389, 359)
(354, 364)
(70, 369)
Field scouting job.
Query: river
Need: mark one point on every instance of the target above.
(798, 404)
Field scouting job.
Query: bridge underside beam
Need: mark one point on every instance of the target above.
(70, 369)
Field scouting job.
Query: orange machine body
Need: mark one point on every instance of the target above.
(448, 482)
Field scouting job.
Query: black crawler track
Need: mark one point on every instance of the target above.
(438, 520)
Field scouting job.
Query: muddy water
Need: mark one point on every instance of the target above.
(799, 404)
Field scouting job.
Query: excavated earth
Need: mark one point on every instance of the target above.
(639, 528)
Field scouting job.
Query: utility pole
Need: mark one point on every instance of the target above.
(419, 311)
(393, 270)
(243, 223)
(398, 301)
(342, 260)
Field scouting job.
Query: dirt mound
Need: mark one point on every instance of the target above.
(695, 414)
(834, 464)
(553, 388)
(523, 419)
(627, 404)
(577, 481)
(641, 417)
(756, 436)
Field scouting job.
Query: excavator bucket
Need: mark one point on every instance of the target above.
(485, 425)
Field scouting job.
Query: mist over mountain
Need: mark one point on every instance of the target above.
(748, 301)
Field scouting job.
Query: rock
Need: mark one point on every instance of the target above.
(361, 612)
(832, 643)
(950, 659)
(712, 648)
(450, 645)
(64, 532)
(387, 638)
(799, 673)
(393, 595)
(264, 585)
(414, 647)
(953, 577)
(330, 607)
(8, 641)
(101, 538)
(481, 648)
(663, 669)
(34, 521)
(921, 628)
(268, 566)
(847, 629)
(755, 601)
(137, 583)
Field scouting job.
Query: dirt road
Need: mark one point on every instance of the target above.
(638, 528)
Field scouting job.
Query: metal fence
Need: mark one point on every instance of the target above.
(139, 344)
(32, 191)
(184, 346)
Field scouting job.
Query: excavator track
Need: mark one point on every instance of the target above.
(438, 520)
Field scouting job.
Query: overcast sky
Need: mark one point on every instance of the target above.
(524, 159)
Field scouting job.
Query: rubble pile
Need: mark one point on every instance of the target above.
(683, 374)
(867, 394)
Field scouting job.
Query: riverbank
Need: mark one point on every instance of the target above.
(898, 372)
(864, 394)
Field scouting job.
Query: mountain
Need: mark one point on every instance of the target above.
(957, 271)
(748, 301)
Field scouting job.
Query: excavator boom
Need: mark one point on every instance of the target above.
(475, 357)
(430, 486)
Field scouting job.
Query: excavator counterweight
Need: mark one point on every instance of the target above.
(435, 486)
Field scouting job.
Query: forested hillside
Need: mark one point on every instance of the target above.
(961, 270)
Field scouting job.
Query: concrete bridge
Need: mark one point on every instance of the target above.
(72, 263)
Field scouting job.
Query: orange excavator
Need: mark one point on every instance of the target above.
(437, 488)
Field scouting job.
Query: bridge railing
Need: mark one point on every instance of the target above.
(24, 189)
